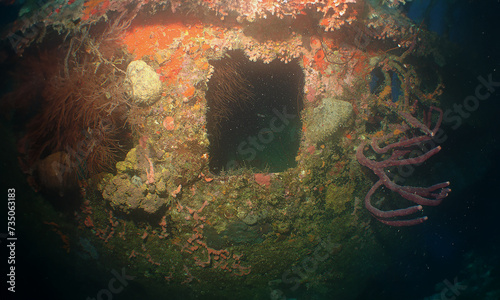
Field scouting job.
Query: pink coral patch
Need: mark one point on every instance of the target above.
(263, 179)
(169, 123)
(311, 149)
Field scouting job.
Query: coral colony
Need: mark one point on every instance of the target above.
(219, 139)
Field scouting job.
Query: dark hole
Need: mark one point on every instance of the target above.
(253, 116)
(396, 91)
(377, 81)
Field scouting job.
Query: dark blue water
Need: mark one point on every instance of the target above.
(461, 240)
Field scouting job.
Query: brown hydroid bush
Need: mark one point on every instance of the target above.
(82, 103)
(80, 115)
